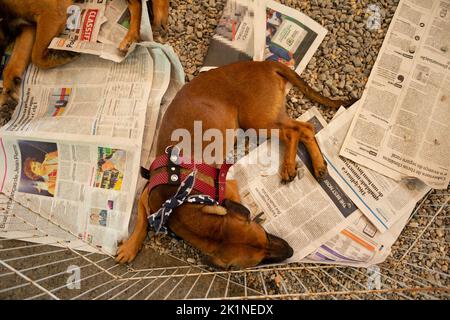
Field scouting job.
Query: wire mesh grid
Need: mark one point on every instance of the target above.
(53, 269)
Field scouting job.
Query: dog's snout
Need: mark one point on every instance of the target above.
(278, 250)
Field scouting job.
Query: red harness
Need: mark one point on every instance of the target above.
(173, 176)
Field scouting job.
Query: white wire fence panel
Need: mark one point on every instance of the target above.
(52, 269)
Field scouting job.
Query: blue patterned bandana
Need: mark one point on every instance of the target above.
(158, 220)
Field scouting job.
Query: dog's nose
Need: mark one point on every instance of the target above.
(278, 250)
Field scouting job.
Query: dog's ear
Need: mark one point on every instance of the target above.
(237, 207)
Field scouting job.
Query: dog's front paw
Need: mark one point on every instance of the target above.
(57, 58)
(3, 101)
(288, 172)
(126, 43)
(127, 251)
(9, 98)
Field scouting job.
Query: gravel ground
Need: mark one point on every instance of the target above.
(339, 69)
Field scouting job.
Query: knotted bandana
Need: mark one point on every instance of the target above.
(158, 220)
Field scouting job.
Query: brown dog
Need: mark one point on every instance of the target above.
(39, 21)
(242, 95)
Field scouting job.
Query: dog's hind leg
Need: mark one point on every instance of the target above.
(20, 58)
(47, 28)
(133, 35)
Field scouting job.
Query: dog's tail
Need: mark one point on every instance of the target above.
(306, 89)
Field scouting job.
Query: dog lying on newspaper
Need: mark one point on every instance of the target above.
(203, 208)
(34, 23)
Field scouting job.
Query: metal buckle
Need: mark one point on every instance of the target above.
(173, 165)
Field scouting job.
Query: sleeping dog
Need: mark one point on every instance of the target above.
(247, 95)
(37, 22)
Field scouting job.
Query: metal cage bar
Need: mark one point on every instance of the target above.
(35, 266)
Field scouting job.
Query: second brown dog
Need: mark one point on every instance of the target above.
(38, 21)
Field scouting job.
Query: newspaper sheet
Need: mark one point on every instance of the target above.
(109, 28)
(305, 213)
(359, 245)
(72, 150)
(382, 200)
(171, 78)
(263, 30)
(402, 124)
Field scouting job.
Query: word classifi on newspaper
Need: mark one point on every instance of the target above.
(98, 27)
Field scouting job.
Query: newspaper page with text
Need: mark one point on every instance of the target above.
(359, 245)
(72, 151)
(382, 200)
(402, 124)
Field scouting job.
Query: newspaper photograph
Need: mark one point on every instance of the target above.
(263, 30)
(83, 180)
(109, 27)
(402, 124)
(290, 36)
(304, 212)
(382, 200)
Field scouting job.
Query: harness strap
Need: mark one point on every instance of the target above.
(172, 161)
(221, 181)
(163, 159)
(163, 178)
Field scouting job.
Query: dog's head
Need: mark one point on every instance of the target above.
(231, 240)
